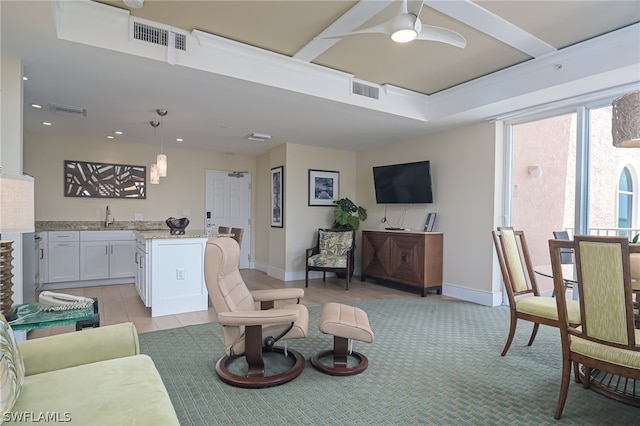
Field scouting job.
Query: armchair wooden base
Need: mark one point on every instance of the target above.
(255, 377)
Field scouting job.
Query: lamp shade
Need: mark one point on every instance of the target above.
(16, 203)
(161, 162)
(154, 178)
(625, 121)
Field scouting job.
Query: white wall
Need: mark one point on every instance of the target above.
(463, 163)
(11, 154)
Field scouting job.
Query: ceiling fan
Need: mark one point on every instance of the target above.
(406, 26)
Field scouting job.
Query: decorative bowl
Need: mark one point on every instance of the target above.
(177, 226)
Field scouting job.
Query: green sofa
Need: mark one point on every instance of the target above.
(91, 377)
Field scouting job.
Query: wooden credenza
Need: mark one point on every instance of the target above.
(412, 258)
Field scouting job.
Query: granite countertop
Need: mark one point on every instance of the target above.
(89, 225)
(196, 233)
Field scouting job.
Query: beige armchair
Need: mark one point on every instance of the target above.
(607, 339)
(248, 329)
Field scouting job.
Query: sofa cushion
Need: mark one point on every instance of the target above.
(114, 392)
(11, 369)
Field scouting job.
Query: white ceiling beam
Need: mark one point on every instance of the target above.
(356, 16)
(471, 14)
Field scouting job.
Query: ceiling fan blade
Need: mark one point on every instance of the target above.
(383, 28)
(412, 6)
(443, 35)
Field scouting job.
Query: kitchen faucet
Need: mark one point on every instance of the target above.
(108, 220)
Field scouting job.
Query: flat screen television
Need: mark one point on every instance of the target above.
(408, 183)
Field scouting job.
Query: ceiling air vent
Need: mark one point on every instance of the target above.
(157, 35)
(365, 90)
(68, 110)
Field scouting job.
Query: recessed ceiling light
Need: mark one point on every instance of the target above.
(118, 132)
(179, 139)
(36, 106)
(109, 137)
(46, 123)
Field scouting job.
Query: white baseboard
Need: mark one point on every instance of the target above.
(471, 295)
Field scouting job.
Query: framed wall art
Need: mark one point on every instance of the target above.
(277, 196)
(324, 187)
(101, 180)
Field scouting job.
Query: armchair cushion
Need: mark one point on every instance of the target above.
(11, 368)
(327, 261)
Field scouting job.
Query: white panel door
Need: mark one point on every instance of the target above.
(228, 203)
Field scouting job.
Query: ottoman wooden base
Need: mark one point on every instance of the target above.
(343, 322)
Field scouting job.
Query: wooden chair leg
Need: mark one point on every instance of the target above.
(512, 332)
(564, 387)
(306, 277)
(533, 333)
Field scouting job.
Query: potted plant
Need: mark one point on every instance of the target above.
(347, 215)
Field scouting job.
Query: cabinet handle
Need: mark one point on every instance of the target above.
(136, 257)
(111, 249)
(106, 250)
(41, 254)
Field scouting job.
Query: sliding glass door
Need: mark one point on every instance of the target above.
(565, 174)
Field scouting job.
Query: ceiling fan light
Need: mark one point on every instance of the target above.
(134, 4)
(404, 35)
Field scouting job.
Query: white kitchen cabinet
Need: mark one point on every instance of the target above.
(142, 272)
(63, 256)
(107, 254)
(43, 262)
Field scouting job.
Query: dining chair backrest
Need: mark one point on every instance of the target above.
(513, 256)
(565, 253)
(604, 288)
(223, 229)
(237, 235)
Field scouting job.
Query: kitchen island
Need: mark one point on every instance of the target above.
(170, 271)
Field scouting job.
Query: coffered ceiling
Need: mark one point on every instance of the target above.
(276, 75)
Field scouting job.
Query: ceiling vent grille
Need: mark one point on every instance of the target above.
(68, 110)
(365, 90)
(157, 35)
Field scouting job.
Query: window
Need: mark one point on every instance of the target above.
(625, 200)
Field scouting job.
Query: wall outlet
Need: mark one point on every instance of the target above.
(137, 216)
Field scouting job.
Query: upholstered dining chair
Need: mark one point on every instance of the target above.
(566, 255)
(607, 339)
(223, 229)
(250, 330)
(332, 253)
(238, 233)
(525, 301)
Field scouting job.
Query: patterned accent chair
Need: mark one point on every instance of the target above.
(332, 253)
(251, 322)
(525, 301)
(607, 339)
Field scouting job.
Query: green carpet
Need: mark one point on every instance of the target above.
(433, 362)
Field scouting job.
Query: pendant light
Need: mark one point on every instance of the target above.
(625, 121)
(161, 159)
(154, 177)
